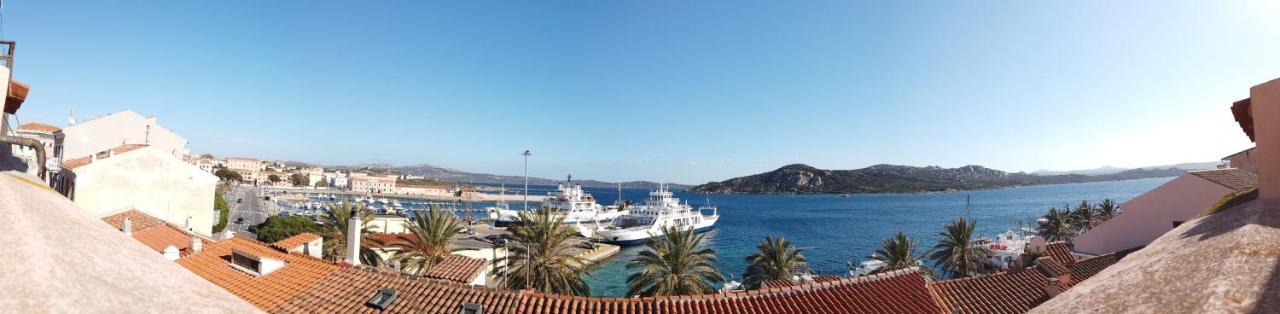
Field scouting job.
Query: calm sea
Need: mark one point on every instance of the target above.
(833, 229)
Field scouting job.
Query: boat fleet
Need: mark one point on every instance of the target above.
(617, 223)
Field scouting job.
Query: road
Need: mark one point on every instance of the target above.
(246, 203)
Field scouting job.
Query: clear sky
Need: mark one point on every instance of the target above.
(685, 91)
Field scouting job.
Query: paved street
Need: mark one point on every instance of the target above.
(246, 203)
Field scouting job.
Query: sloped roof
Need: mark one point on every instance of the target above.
(154, 232)
(347, 291)
(61, 259)
(266, 292)
(1060, 252)
(1244, 116)
(1235, 179)
(295, 241)
(1222, 262)
(37, 126)
(457, 268)
(1004, 292)
(83, 161)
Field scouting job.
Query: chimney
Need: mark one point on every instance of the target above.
(128, 226)
(171, 253)
(1265, 116)
(225, 234)
(353, 238)
(1051, 287)
(196, 245)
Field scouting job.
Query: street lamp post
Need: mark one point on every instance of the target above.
(526, 155)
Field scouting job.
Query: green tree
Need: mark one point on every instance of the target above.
(1084, 217)
(774, 259)
(334, 230)
(227, 175)
(542, 256)
(322, 183)
(1107, 209)
(273, 178)
(299, 179)
(898, 252)
(956, 253)
(1055, 225)
(220, 205)
(277, 228)
(675, 264)
(433, 231)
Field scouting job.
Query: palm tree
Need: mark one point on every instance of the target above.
(1084, 217)
(1107, 209)
(898, 252)
(1055, 225)
(542, 257)
(433, 232)
(774, 259)
(674, 264)
(334, 226)
(955, 253)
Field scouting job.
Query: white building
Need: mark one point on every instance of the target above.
(145, 178)
(44, 133)
(1145, 217)
(120, 128)
(373, 183)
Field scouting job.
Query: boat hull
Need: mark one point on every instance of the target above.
(635, 238)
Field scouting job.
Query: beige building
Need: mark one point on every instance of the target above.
(249, 169)
(120, 128)
(373, 184)
(144, 178)
(424, 190)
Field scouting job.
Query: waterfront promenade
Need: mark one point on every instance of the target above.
(475, 197)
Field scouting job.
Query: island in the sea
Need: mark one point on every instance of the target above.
(805, 179)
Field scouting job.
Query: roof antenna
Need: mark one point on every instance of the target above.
(71, 116)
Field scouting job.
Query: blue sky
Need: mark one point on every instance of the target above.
(661, 90)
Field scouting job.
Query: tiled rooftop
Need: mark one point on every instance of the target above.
(1235, 179)
(37, 126)
(1060, 252)
(457, 268)
(1005, 292)
(299, 273)
(154, 232)
(295, 241)
(82, 161)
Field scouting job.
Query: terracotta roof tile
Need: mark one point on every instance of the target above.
(37, 126)
(391, 240)
(295, 241)
(457, 268)
(1059, 251)
(154, 232)
(1235, 179)
(1085, 268)
(1005, 292)
(82, 161)
(300, 272)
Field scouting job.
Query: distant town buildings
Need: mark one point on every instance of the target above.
(367, 183)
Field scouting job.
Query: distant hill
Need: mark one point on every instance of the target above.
(447, 174)
(805, 179)
(1189, 166)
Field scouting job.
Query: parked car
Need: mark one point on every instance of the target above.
(239, 220)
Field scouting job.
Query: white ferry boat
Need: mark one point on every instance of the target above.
(568, 200)
(646, 220)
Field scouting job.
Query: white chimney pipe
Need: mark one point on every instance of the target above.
(171, 253)
(128, 226)
(196, 245)
(353, 238)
